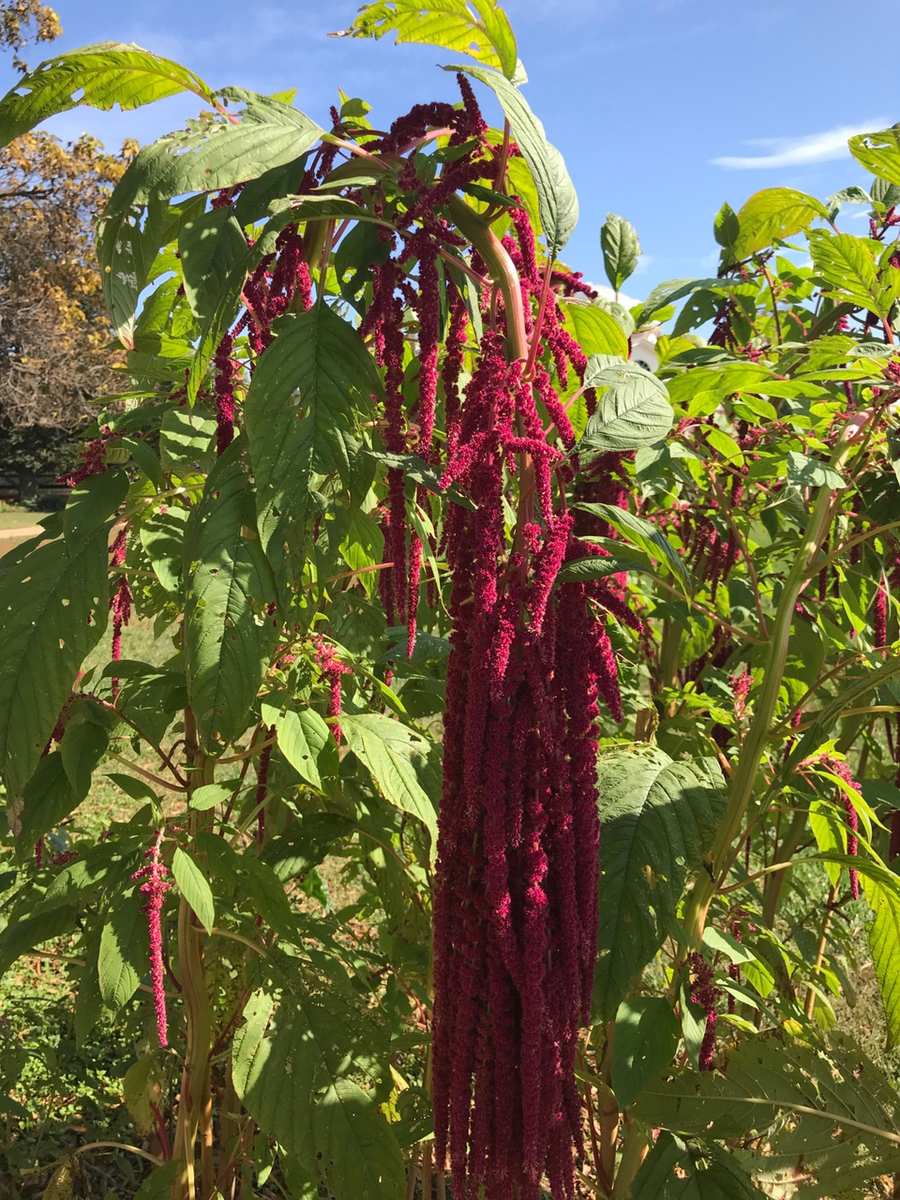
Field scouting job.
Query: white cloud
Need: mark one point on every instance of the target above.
(801, 151)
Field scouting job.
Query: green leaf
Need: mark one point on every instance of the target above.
(158, 1184)
(677, 1170)
(304, 844)
(185, 438)
(212, 248)
(21, 936)
(884, 942)
(726, 226)
(48, 798)
(633, 410)
(645, 1039)
(557, 200)
(81, 750)
(194, 886)
(641, 533)
(579, 570)
(658, 818)
(124, 949)
(484, 33)
(91, 503)
(210, 794)
(848, 266)
(843, 1112)
(214, 152)
(621, 249)
(162, 537)
(400, 761)
(595, 330)
(228, 634)
(673, 290)
(353, 1148)
(803, 471)
(315, 1042)
(305, 741)
(300, 414)
(46, 596)
(774, 214)
(879, 153)
(101, 76)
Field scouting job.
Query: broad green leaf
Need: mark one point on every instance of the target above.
(305, 741)
(658, 819)
(352, 1146)
(673, 290)
(215, 152)
(803, 471)
(47, 594)
(773, 214)
(212, 248)
(255, 881)
(848, 267)
(214, 328)
(879, 153)
(100, 76)
(228, 634)
(158, 1184)
(83, 875)
(300, 414)
(211, 794)
(557, 200)
(21, 936)
(641, 533)
(579, 570)
(677, 1170)
(304, 844)
(162, 537)
(595, 330)
(726, 226)
(124, 949)
(476, 27)
(400, 761)
(194, 886)
(185, 438)
(47, 799)
(645, 1039)
(91, 503)
(884, 942)
(621, 249)
(128, 241)
(632, 411)
(843, 1113)
(315, 1042)
(81, 749)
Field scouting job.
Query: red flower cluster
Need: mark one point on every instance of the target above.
(837, 766)
(706, 994)
(516, 893)
(154, 887)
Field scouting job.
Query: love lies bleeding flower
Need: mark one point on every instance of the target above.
(154, 887)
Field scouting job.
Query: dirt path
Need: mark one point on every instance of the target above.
(20, 533)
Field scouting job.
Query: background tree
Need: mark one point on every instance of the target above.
(54, 334)
(17, 17)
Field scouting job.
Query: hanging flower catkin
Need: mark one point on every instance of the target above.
(516, 891)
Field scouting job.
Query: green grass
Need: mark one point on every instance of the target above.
(19, 518)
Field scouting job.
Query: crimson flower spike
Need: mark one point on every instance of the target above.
(154, 887)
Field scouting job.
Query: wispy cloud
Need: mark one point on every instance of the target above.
(800, 151)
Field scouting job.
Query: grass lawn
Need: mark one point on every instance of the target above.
(20, 518)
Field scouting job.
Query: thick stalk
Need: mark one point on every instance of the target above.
(634, 1151)
(195, 1105)
(753, 749)
(609, 1116)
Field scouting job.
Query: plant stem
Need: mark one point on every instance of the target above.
(195, 1106)
(633, 1151)
(753, 749)
(810, 1005)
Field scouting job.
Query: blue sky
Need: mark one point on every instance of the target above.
(662, 110)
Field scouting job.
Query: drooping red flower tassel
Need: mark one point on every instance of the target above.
(154, 888)
(706, 994)
(120, 603)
